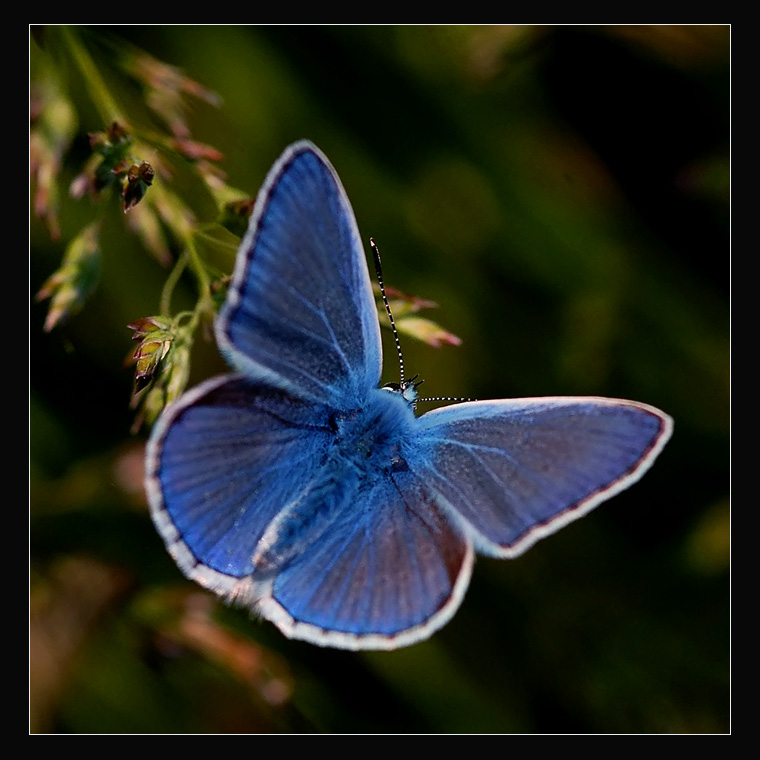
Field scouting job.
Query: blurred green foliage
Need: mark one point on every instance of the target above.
(563, 194)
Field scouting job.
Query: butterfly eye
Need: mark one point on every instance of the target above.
(407, 388)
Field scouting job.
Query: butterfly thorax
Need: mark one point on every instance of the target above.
(368, 444)
(373, 438)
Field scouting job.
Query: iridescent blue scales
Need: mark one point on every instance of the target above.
(300, 489)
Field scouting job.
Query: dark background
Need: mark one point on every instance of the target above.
(563, 194)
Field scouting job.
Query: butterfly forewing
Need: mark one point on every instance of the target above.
(300, 312)
(514, 471)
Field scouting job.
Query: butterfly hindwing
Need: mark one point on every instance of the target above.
(514, 471)
(300, 313)
(390, 569)
(222, 464)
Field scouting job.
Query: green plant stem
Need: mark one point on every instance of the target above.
(97, 88)
(204, 283)
(171, 281)
(205, 302)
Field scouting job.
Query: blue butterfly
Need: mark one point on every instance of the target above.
(300, 489)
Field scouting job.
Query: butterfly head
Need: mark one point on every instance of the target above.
(406, 388)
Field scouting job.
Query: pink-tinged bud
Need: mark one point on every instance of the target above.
(196, 151)
(74, 281)
(146, 325)
(156, 337)
(427, 331)
(52, 130)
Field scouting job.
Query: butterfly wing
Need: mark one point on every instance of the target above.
(221, 464)
(511, 472)
(300, 313)
(390, 569)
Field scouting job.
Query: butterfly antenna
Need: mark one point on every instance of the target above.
(413, 382)
(379, 273)
(450, 399)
